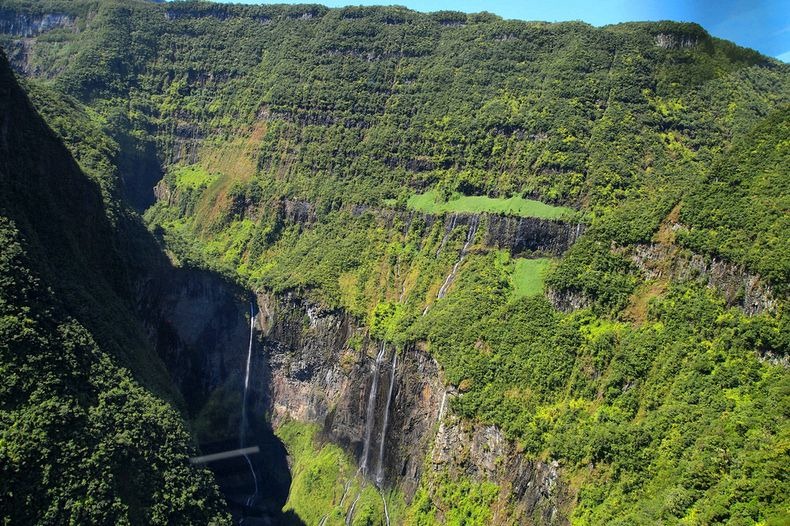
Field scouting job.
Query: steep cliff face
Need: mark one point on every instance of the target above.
(21, 30)
(324, 369)
(198, 324)
(529, 235)
(388, 408)
(317, 376)
(530, 491)
(25, 25)
(738, 286)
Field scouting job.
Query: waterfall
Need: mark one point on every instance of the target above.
(350, 514)
(370, 416)
(380, 469)
(447, 234)
(243, 425)
(345, 491)
(441, 407)
(386, 511)
(470, 236)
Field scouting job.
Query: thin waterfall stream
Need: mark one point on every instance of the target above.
(470, 237)
(447, 234)
(441, 407)
(380, 468)
(370, 415)
(243, 425)
(350, 514)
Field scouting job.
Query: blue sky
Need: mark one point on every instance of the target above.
(760, 24)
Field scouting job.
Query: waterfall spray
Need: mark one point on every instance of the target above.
(380, 469)
(370, 416)
(243, 425)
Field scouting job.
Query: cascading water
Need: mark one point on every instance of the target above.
(441, 407)
(350, 514)
(243, 425)
(447, 234)
(370, 415)
(380, 468)
(386, 511)
(470, 236)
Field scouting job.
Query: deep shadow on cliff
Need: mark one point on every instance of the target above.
(109, 274)
(199, 324)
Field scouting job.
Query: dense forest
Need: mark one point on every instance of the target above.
(585, 228)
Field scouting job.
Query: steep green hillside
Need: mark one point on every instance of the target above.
(741, 209)
(375, 100)
(391, 165)
(81, 439)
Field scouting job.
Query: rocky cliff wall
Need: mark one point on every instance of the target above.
(318, 375)
(23, 25)
(737, 285)
(199, 324)
(319, 366)
(531, 492)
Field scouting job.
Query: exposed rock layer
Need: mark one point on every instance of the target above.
(317, 366)
(529, 490)
(738, 286)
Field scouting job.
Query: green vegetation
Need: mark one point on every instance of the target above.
(302, 146)
(528, 276)
(639, 414)
(191, 177)
(361, 105)
(326, 483)
(741, 209)
(516, 205)
(461, 502)
(87, 435)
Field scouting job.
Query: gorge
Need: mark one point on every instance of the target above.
(438, 268)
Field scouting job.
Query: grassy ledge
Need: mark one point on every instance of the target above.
(515, 205)
(528, 276)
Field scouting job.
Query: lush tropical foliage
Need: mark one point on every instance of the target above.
(325, 151)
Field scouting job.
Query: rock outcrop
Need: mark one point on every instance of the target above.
(675, 41)
(529, 235)
(738, 286)
(531, 491)
(322, 366)
(25, 26)
(567, 300)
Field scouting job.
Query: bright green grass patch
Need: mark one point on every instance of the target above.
(193, 176)
(515, 205)
(325, 483)
(528, 276)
